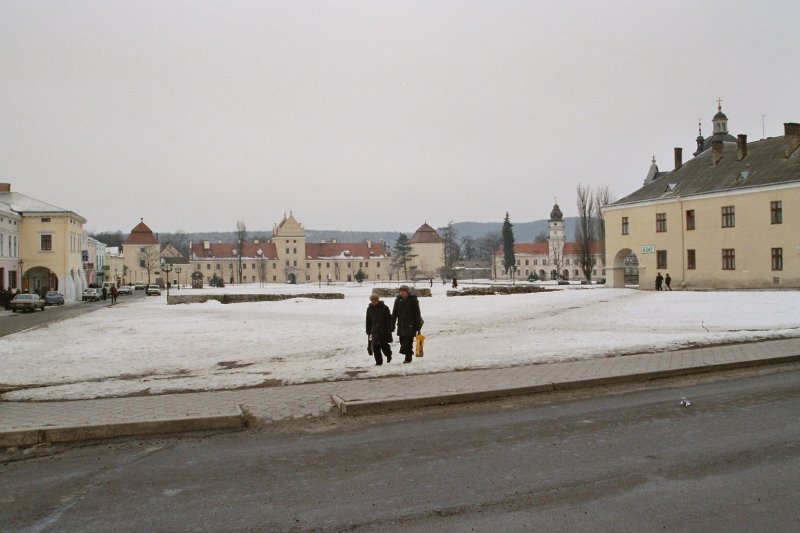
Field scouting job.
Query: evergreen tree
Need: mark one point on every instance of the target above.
(360, 276)
(508, 244)
(402, 254)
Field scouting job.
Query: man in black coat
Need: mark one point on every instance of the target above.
(379, 329)
(407, 318)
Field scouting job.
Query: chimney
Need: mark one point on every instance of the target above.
(5, 187)
(369, 243)
(791, 130)
(741, 143)
(716, 152)
(678, 157)
(206, 245)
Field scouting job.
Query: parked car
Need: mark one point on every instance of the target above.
(53, 298)
(139, 286)
(91, 294)
(125, 289)
(153, 290)
(26, 302)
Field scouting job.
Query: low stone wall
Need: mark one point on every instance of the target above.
(497, 289)
(247, 298)
(391, 293)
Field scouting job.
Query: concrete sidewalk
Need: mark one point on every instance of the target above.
(27, 423)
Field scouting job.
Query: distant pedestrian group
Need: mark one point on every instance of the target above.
(661, 280)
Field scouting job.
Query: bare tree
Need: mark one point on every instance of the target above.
(452, 251)
(558, 261)
(469, 248)
(602, 198)
(487, 248)
(150, 260)
(585, 232)
(241, 235)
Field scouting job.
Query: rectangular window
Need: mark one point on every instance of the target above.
(208, 266)
(526, 262)
(47, 243)
(535, 261)
(776, 212)
(624, 225)
(777, 259)
(661, 259)
(287, 251)
(729, 216)
(690, 219)
(691, 261)
(12, 279)
(661, 222)
(728, 259)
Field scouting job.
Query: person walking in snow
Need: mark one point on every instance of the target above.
(667, 281)
(659, 281)
(408, 319)
(379, 329)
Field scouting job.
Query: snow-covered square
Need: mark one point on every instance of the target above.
(143, 346)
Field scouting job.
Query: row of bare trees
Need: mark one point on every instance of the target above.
(591, 226)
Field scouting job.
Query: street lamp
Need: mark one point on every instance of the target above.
(167, 268)
(178, 272)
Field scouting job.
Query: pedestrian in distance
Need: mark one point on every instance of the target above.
(379, 329)
(667, 281)
(659, 281)
(104, 292)
(407, 318)
(455, 283)
(113, 294)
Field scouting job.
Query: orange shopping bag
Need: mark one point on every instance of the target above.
(420, 344)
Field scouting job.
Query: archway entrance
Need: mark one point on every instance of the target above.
(39, 280)
(625, 270)
(292, 279)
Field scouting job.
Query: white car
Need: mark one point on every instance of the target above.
(92, 294)
(125, 289)
(153, 290)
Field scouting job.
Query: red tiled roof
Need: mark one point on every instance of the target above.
(533, 248)
(141, 234)
(425, 235)
(224, 250)
(315, 250)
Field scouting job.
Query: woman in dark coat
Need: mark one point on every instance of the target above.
(379, 329)
(407, 317)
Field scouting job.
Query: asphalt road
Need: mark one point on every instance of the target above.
(624, 459)
(15, 322)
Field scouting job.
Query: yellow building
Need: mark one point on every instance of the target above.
(427, 250)
(53, 245)
(728, 218)
(288, 258)
(141, 256)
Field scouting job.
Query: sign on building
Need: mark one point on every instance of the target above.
(648, 249)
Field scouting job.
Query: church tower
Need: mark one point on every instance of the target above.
(556, 240)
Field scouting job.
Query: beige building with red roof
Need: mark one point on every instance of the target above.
(288, 258)
(141, 255)
(554, 259)
(427, 247)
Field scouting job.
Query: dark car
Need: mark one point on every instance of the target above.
(53, 298)
(26, 302)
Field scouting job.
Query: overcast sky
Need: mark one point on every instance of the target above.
(371, 115)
